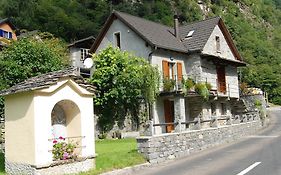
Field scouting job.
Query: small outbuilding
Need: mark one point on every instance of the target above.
(43, 114)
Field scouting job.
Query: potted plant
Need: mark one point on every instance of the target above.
(168, 84)
(63, 150)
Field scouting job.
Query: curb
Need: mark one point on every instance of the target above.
(127, 170)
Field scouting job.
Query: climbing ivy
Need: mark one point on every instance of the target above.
(123, 82)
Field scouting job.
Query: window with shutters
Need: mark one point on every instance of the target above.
(172, 71)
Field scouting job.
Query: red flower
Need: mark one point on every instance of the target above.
(54, 142)
(61, 138)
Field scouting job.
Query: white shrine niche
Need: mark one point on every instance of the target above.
(58, 122)
(38, 114)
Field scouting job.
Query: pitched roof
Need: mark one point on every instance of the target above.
(202, 32)
(157, 34)
(7, 20)
(161, 36)
(84, 42)
(47, 80)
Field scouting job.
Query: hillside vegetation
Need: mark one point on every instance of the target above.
(254, 24)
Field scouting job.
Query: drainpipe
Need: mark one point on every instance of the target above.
(151, 106)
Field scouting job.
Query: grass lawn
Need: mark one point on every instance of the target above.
(112, 154)
(115, 154)
(2, 164)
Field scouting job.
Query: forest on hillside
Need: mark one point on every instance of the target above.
(255, 26)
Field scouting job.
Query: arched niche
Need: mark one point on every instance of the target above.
(66, 122)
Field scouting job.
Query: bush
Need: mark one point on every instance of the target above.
(188, 84)
(168, 84)
(202, 90)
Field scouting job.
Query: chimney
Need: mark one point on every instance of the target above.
(176, 26)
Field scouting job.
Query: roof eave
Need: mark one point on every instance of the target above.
(229, 40)
(236, 63)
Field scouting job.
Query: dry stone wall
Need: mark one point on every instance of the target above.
(160, 148)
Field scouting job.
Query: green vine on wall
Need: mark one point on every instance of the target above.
(123, 82)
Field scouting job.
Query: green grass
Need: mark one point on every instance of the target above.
(2, 164)
(112, 154)
(115, 154)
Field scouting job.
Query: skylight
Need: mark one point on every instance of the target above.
(190, 33)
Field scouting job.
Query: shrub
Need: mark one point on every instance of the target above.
(168, 84)
(188, 84)
(202, 90)
(208, 86)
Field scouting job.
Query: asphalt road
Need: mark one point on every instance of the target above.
(259, 154)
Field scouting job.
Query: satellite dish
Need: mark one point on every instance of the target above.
(88, 63)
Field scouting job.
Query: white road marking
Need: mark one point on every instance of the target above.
(249, 168)
(262, 136)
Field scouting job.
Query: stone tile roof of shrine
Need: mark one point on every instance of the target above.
(47, 80)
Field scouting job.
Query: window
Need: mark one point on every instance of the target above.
(5, 34)
(84, 54)
(218, 46)
(172, 70)
(189, 35)
(117, 39)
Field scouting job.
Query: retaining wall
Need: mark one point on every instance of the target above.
(163, 147)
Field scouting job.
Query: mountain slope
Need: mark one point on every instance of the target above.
(254, 24)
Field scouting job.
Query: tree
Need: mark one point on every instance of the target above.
(30, 57)
(123, 83)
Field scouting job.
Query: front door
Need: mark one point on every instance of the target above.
(169, 115)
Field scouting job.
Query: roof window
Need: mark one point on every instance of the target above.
(190, 33)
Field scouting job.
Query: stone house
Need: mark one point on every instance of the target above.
(202, 51)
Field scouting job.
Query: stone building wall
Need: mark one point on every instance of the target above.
(169, 146)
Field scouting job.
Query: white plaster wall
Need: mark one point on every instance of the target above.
(160, 55)
(19, 128)
(43, 105)
(210, 46)
(130, 41)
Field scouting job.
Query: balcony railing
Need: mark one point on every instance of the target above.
(176, 84)
(213, 121)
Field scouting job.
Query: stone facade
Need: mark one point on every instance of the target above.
(67, 168)
(163, 147)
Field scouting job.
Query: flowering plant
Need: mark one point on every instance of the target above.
(62, 150)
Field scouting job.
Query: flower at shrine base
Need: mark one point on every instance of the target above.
(63, 150)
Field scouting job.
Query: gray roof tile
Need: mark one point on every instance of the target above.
(202, 32)
(47, 80)
(163, 36)
(157, 34)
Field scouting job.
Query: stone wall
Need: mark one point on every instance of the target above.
(66, 168)
(172, 145)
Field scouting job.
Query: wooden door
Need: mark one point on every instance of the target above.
(169, 115)
(221, 79)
